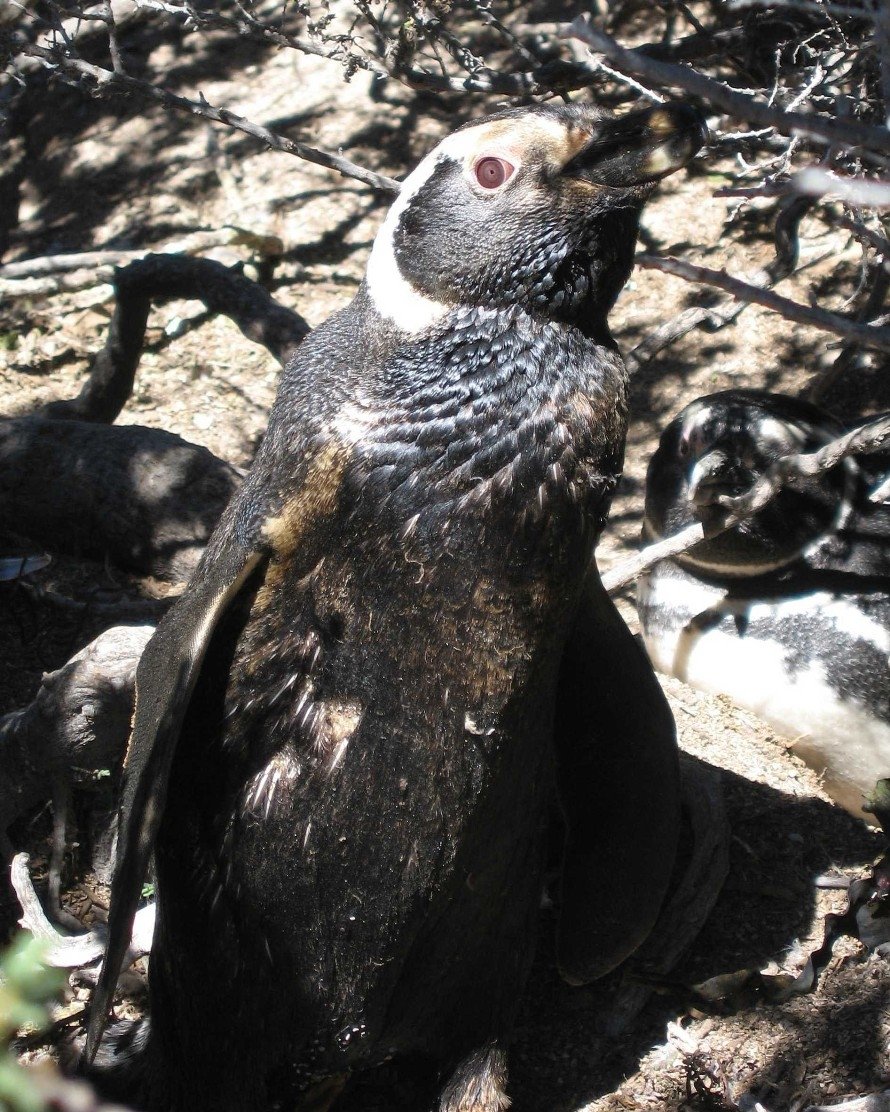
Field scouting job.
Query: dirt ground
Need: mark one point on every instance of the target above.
(102, 176)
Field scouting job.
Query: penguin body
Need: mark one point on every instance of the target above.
(789, 613)
(345, 731)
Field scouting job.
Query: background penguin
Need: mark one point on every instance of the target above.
(789, 612)
(342, 747)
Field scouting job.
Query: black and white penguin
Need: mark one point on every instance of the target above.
(788, 613)
(349, 728)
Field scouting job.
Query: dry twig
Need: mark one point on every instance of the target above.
(156, 279)
(108, 82)
(866, 334)
(826, 129)
(73, 951)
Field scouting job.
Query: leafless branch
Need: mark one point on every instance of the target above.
(107, 82)
(626, 571)
(868, 335)
(815, 181)
(245, 24)
(72, 951)
(826, 129)
(865, 235)
(155, 279)
(268, 246)
(864, 439)
(714, 317)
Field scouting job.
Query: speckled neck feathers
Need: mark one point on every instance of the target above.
(492, 410)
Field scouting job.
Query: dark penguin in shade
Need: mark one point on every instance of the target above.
(789, 612)
(348, 730)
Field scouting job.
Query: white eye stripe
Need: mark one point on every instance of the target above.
(393, 296)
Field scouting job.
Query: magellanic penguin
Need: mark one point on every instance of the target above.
(342, 751)
(788, 613)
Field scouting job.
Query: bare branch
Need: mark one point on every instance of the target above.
(229, 235)
(865, 235)
(864, 439)
(714, 316)
(73, 951)
(844, 133)
(865, 334)
(70, 282)
(626, 571)
(244, 24)
(159, 278)
(815, 181)
(117, 62)
(108, 82)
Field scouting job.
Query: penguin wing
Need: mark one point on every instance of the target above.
(619, 785)
(165, 678)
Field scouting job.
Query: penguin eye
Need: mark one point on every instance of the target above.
(491, 172)
(683, 448)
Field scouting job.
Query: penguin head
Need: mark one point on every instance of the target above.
(719, 445)
(534, 207)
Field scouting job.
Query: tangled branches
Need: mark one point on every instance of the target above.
(796, 90)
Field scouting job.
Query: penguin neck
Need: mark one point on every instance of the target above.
(510, 355)
(491, 408)
(401, 311)
(398, 303)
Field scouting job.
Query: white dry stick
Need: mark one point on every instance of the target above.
(814, 181)
(229, 235)
(874, 1102)
(633, 567)
(72, 951)
(104, 81)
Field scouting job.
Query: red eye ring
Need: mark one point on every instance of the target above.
(491, 172)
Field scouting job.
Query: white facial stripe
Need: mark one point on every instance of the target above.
(394, 297)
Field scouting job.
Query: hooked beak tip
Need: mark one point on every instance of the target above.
(641, 147)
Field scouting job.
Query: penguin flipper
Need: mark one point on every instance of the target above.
(165, 678)
(619, 786)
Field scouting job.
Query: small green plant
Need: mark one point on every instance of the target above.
(27, 987)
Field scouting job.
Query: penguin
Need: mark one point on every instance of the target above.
(349, 728)
(787, 613)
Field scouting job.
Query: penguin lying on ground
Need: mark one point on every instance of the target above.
(342, 751)
(788, 613)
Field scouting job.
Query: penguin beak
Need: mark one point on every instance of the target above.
(640, 147)
(713, 475)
